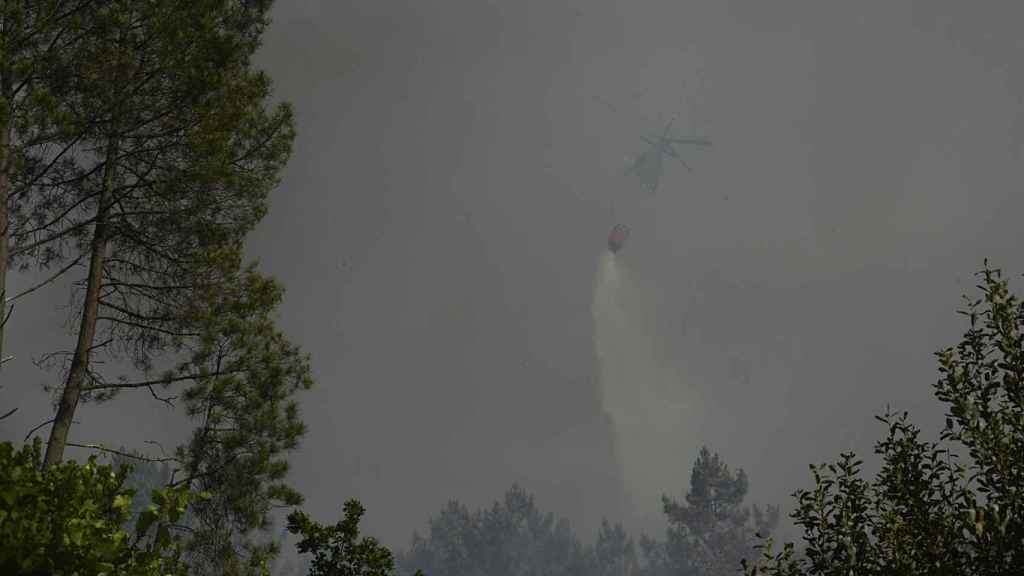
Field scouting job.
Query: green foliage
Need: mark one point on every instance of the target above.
(68, 519)
(517, 538)
(36, 41)
(175, 147)
(145, 149)
(614, 553)
(143, 477)
(450, 544)
(713, 532)
(338, 550)
(513, 537)
(245, 375)
(926, 512)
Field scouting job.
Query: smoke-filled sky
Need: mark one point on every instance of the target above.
(460, 162)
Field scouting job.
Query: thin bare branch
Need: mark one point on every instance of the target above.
(120, 453)
(134, 315)
(141, 286)
(50, 358)
(53, 221)
(33, 430)
(158, 445)
(55, 276)
(7, 316)
(51, 238)
(169, 400)
(106, 342)
(158, 381)
(123, 322)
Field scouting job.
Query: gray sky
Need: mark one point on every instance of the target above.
(439, 225)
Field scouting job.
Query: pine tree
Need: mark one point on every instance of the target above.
(713, 531)
(36, 39)
(614, 553)
(512, 537)
(177, 151)
(243, 377)
(166, 150)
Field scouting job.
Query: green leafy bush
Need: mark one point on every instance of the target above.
(955, 506)
(68, 518)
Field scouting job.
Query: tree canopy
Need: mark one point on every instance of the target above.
(138, 146)
(951, 506)
(69, 519)
(713, 531)
(338, 550)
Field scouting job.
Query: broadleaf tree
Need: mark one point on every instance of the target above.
(70, 519)
(339, 550)
(952, 506)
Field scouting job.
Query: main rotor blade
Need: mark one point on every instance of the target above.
(688, 169)
(664, 135)
(670, 151)
(695, 142)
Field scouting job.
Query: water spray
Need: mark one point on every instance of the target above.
(653, 416)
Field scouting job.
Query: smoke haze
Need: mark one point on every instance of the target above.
(655, 416)
(457, 170)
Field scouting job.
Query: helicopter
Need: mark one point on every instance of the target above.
(649, 164)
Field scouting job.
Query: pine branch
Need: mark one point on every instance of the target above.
(3, 324)
(162, 381)
(102, 448)
(37, 427)
(144, 287)
(53, 221)
(103, 344)
(169, 400)
(52, 238)
(135, 315)
(46, 170)
(55, 276)
(124, 322)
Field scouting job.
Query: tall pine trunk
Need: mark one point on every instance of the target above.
(5, 182)
(90, 309)
(6, 89)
